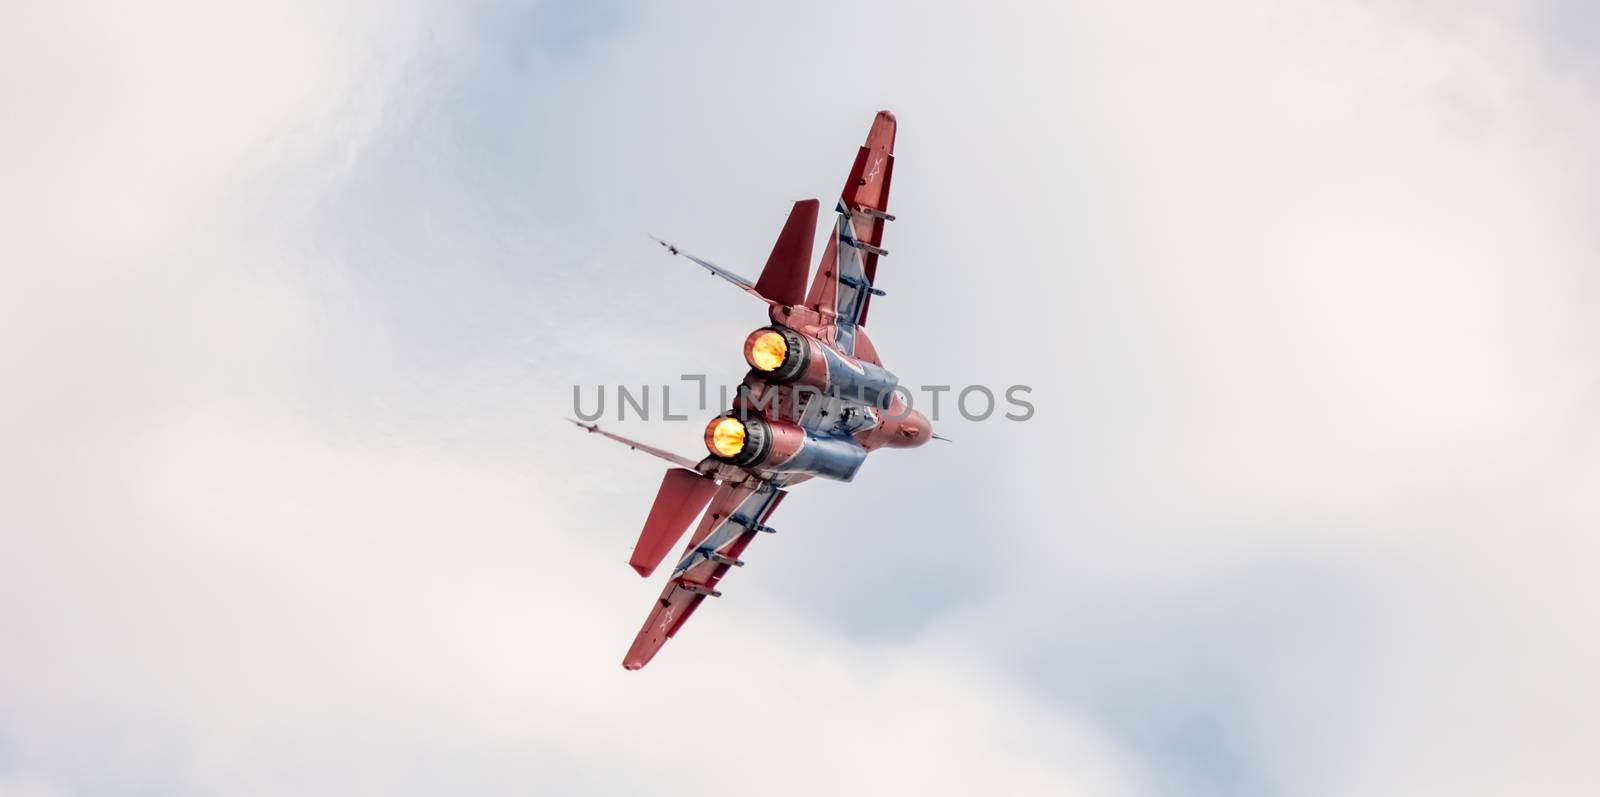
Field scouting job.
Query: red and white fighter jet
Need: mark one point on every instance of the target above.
(816, 401)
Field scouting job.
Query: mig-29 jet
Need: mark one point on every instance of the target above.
(817, 398)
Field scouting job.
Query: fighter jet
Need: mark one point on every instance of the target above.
(817, 398)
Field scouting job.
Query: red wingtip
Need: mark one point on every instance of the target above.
(867, 183)
(883, 130)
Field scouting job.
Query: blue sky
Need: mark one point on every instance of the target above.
(297, 294)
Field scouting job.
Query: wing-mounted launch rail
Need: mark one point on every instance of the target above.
(864, 246)
(741, 520)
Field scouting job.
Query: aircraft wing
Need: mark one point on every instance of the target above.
(843, 284)
(738, 512)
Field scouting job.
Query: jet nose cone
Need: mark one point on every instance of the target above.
(915, 429)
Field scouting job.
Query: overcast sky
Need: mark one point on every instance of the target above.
(295, 294)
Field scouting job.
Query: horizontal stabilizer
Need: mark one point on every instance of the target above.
(783, 280)
(682, 497)
(716, 270)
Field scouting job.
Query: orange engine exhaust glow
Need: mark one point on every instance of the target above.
(765, 350)
(725, 437)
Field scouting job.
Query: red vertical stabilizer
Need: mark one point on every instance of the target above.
(783, 280)
(683, 495)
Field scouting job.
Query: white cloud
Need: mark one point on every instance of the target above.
(1305, 290)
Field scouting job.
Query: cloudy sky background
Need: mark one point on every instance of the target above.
(295, 294)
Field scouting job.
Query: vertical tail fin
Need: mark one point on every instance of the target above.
(684, 494)
(783, 280)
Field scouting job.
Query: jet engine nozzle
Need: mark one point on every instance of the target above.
(782, 356)
(730, 438)
(779, 446)
(765, 350)
(778, 354)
